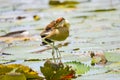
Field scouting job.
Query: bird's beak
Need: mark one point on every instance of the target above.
(66, 23)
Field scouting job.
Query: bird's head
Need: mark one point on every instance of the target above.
(62, 22)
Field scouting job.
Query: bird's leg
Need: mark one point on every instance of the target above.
(58, 53)
(53, 53)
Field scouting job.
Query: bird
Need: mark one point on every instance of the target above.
(56, 30)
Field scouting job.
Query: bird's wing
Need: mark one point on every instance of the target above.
(51, 34)
(50, 26)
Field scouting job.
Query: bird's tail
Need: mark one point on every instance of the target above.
(47, 40)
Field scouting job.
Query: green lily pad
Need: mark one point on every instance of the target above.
(13, 76)
(113, 57)
(80, 68)
(57, 71)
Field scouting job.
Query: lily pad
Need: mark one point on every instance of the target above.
(15, 69)
(112, 57)
(57, 71)
(80, 68)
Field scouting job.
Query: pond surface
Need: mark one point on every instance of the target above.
(94, 27)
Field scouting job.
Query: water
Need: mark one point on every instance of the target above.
(93, 28)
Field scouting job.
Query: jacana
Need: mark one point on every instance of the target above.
(57, 30)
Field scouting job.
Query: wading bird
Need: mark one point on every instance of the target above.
(57, 30)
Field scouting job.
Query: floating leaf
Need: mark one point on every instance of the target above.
(36, 17)
(76, 49)
(13, 76)
(103, 10)
(68, 4)
(113, 57)
(32, 60)
(4, 69)
(53, 71)
(79, 67)
(113, 68)
(53, 2)
(18, 68)
(29, 73)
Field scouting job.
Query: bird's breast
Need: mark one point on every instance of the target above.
(60, 34)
